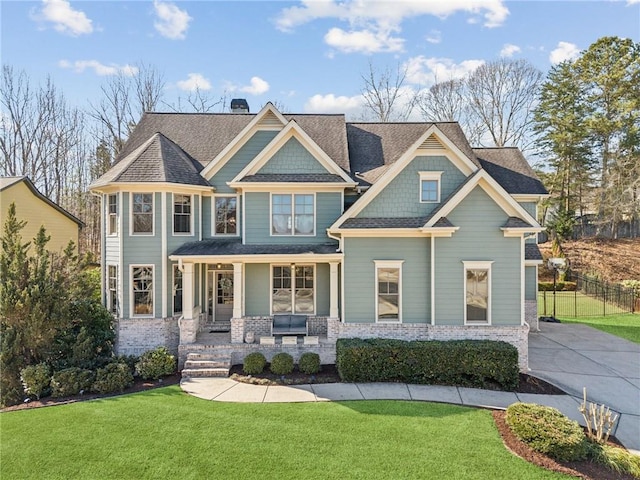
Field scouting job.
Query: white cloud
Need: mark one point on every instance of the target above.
(194, 81)
(64, 18)
(257, 86)
(632, 2)
(331, 103)
(434, 36)
(509, 50)
(363, 41)
(427, 71)
(79, 66)
(564, 51)
(172, 22)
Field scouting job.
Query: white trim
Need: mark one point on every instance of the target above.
(117, 215)
(153, 215)
(145, 187)
(378, 264)
(245, 134)
(290, 186)
(292, 267)
(191, 232)
(153, 290)
(522, 282)
(121, 258)
(533, 263)
(394, 232)
(291, 130)
(293, 215)
(476, 265)
(433, 280)
(200, 216)
(103, 244)
(430, 176)
(307, 258)
(107, 303)
(242, 210)
(163, 241)
(457, 157)
(213, 215)
(527, 197)
(342, 299)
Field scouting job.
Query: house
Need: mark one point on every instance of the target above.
(38, 210)
(397, 230)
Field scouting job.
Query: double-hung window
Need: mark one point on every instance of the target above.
(477, 292)
(142, 208)
(292, 214)
(142, 290)
(225, 215)
(113, 214)
(293, 289)
(430, 187)
(112, 289)
(181, 214)
(177, 290)
(388, 290)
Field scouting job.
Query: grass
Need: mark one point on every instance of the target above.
(165, 433)
(625, 326)
(575, 304)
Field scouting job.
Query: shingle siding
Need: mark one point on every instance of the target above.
(292, 158)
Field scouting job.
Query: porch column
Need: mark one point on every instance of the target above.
(237, 290)
(333, 293)
(187, 291)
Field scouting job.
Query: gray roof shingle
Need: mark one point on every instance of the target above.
(393, 222)
(294, 177)
(235, 247)
(516, 222)
(511, 170)
(532, 252)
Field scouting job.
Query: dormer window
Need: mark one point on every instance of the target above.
(430, 187)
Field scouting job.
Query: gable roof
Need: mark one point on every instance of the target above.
(157, 160)
(511, 170)
(6, 182)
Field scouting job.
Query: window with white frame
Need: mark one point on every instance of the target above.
(292, 214)
(113, 214)
(225, 215)
(293, 289)
(388, 291)
(142, 290)
(430, 187)
(142, 213)
(112, 289)
(181, 214)
(477, 292)
(177, 290)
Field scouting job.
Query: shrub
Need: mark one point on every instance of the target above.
(469, 363)
(129, 360)
(560, 286)
(282, 364)
(36, 380)
(617, 459)
(156, 363)
(115, 377)
(548, 431)
(71, 381)
(309, 363)
(254, 363)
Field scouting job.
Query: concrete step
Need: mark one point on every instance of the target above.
(209, 355)
(217, 327)
(205, 372)
(222, 363)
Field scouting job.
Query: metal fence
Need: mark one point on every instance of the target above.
(591, 298)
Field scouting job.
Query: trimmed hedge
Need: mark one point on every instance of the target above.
(468, 363)
(548, 431)
(254, 363)
(157, 363)
(281, 364)
(309, 363)
(115, 377)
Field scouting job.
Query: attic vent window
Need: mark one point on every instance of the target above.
(239, 105)
(431, 143)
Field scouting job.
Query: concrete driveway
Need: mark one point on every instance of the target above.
(573, 356)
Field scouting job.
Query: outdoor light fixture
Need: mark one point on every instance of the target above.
(556, 264)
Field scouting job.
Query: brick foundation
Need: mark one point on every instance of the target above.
(261, 326)
(134, 336)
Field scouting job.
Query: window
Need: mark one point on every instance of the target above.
(142, 290)
(477, 292)
(293, 289)
(388, 288)
(142, 206)
(177, 290)
(112, 289)
(430, 187)
(181, 213)
(292, 214)
(113, 214)
(225, 212)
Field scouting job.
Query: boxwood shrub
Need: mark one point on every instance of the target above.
(115, 377)
(36, 380)
(309, 363)
(468, 363)
(71, 381)
(281, 364)
(254, 363)
(157, 363)
(548, 431)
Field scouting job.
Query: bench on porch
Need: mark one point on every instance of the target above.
(289, 325)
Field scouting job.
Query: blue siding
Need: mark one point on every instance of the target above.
(293, 158)
(531, 283)
(401, 197)
(359, 277)
(480, 239)
(207, 214)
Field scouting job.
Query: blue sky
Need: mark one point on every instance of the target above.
(308, 56)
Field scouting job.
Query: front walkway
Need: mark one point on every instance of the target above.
(573, 356)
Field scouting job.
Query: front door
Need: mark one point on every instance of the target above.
(220, 295)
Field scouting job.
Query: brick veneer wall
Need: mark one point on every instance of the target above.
(134, 336)
(261, 326)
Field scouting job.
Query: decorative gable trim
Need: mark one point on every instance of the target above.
(430, 138)
(269, 118)
(291, 130)
(496, 192)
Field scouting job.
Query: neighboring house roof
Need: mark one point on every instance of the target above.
(6, 182)
(157, 160)
(511, 170)
(532, 252)
(235, 247)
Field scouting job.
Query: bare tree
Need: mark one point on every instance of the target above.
(387, 98)
(199, 101)
(503, 94)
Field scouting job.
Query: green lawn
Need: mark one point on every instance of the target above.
(575, 304)
(625, 325)
(165, 433)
